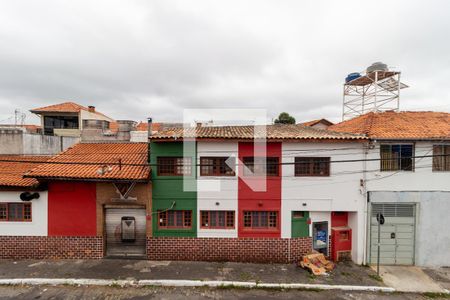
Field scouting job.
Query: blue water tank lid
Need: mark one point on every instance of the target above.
(352, 76)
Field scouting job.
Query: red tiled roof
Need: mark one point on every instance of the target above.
(271, 132)
(127, 162)
(66, 107)
(143, 126)
(13, 167)
(399, 125)
(314, 122)
(61, 107)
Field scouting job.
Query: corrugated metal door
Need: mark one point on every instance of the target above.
(397, 235)
(125, 231)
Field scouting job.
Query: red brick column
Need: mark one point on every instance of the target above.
(51, 247)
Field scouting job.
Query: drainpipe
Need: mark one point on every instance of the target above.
(366, 199)
(150, 126)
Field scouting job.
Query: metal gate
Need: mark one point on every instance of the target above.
(397, 234)
(125, 231)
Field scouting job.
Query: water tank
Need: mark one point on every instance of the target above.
(94, 124)
(126, 125)
(352, 76)
(377, 66)
(124, 128)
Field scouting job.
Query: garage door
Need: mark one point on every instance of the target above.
(396, 235)
(125, 231)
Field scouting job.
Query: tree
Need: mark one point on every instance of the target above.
(285, 118)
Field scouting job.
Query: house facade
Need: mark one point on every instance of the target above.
(217, 198)
(94, 201)
(69, 118)
(408, 182)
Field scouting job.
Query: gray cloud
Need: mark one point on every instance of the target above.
(133, 59)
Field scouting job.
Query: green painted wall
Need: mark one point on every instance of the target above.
(167, 189)
(300, 226)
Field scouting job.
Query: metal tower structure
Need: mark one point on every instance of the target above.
(377, 90)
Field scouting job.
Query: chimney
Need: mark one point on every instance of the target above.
(91, 109)
(150, 126)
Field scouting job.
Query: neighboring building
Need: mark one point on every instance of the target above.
(23, 141)
(141, 133)
(318, 124)
(98, 203)
(24, 127)
(19, 217)
(69, 118)
(408, 181)
(215, 209)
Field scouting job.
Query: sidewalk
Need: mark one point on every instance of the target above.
(409, 279)
(346, 273)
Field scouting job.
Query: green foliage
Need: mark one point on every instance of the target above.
(285, 118)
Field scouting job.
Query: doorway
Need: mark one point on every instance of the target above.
(125, 232)
(320, 237)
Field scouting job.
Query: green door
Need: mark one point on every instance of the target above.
(300, 226)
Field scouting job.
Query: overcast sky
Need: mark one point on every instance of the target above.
(134, 59)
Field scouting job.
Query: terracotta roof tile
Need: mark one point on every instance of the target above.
(399, 125)
(271, 132)
(60, 107)
(82, 161)
(143, 126)
(13, 167)
(314, 122)
(66, 107)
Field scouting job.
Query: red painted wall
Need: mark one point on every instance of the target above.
(269, 200)
(72, 209)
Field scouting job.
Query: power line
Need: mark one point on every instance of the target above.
(118, 163)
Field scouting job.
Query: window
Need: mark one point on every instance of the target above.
(217, 219)
(15, 212)
(441, 158)
(396, 157)
(261, 219)
(181, 219)
(174, 166)
(216, 166)
(64, 122)
(312, 166)
(261, 166)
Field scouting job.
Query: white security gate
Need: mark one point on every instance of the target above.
(397, 234)
(125, 231)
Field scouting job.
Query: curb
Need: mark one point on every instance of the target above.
(190, 283)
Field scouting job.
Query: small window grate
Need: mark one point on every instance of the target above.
(393, 210)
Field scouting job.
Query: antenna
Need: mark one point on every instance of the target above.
(377, 90)
(19, 117)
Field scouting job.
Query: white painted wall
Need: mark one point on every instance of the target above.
(138, 136)
(39, 214)
(222, 190)
(338, 192)
(86, 115)
(341, 191)
(430, 190)
(432, 246)
(421, 179)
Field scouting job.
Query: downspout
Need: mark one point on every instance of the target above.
(366, 200)
(149, 127)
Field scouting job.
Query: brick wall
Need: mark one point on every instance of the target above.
(261, 250)
(108, 195)
(50, 247)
